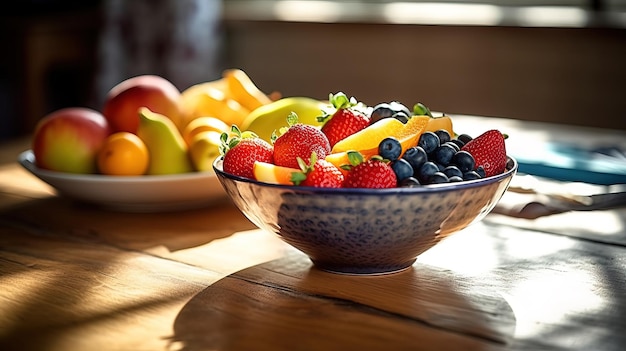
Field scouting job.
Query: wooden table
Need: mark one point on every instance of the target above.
(75, 277)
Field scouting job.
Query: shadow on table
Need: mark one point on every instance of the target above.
(289, 304)
(136, 231)
(60, 254)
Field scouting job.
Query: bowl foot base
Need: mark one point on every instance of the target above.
(363, 270)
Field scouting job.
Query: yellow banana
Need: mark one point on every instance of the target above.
(219, 84)
(242, 89)
(202, 124)
(213, 102)
(189, 101)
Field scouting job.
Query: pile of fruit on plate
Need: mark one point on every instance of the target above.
(149, 127)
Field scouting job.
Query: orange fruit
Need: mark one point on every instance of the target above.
(271, 173)
(123, 154)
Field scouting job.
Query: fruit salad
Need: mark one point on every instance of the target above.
(357, 146)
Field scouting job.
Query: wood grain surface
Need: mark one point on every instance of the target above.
(75, 277)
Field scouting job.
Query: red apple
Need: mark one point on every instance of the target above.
(123, 101)
(68, 140)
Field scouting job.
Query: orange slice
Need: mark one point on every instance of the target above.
(271, 173)
(339, 159)
(369, 137)
(443, 122)
(412, 131)
(366, 141)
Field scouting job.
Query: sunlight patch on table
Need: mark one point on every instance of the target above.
(468, 252)
(19, 290)
(550, 298)
(607, 223)
(520, 246)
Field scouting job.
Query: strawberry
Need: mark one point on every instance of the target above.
(348, 118)
(240, 152)
(318, 173)
(372, 173)
(299, 140)
(489, 151)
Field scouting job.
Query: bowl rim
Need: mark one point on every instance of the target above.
(512, 167)
(27, 160)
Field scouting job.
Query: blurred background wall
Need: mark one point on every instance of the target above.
(573, 76)
(69, 53)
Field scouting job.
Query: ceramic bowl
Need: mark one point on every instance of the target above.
(365, 231)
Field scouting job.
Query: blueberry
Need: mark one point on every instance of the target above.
(444, 135)
(429, 141)
(443, 154)
(409, 182)
(426, 171)
(390, 148)
(464, 138)
(380, 111)
(453, 144)
(402, 168)
(393, 109)
(464, 160)
(453, 171)
(401, 116)
(455, 179)
(439, 178)
(399, 107)
(471, 175)
(458, 142)
(416, 157)
(481, 171)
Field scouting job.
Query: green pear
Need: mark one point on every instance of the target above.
(168, 150)
(273, 116)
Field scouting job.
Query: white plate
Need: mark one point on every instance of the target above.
(156, 193)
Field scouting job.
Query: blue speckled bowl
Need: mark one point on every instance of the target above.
(365, 231)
